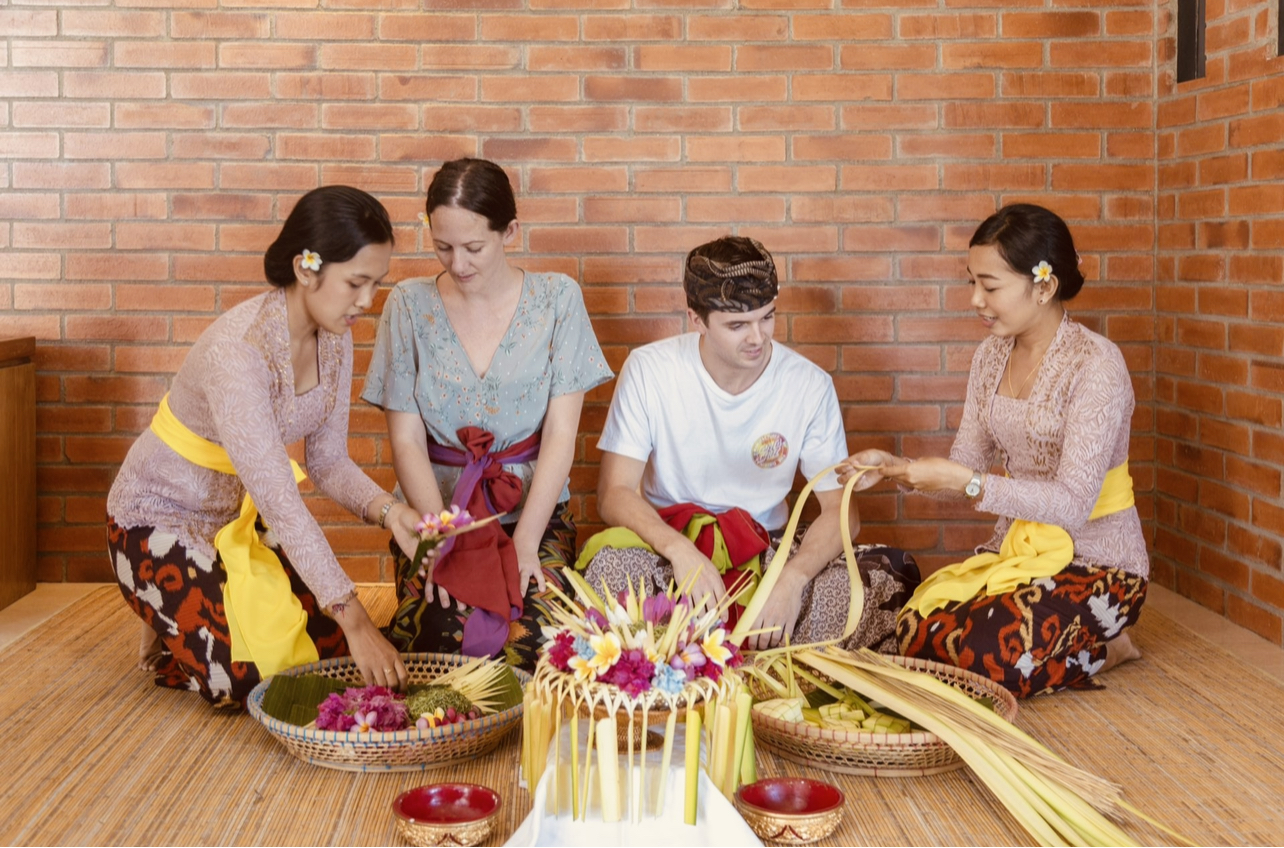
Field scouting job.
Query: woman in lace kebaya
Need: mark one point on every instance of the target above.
(222, 605)
(1047, 601)
(481, 373)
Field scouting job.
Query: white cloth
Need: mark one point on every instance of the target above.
(717, 822)
(705, 446)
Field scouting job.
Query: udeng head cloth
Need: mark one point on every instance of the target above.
(732, 274)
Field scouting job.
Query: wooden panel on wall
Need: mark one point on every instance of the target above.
(17, 469)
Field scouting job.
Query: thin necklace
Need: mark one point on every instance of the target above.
(1017, 394)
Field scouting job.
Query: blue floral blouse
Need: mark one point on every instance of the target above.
(419, 365)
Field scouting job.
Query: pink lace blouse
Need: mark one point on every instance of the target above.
(236, 388)
(1056, 445)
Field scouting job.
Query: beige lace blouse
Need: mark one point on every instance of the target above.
(236, 388)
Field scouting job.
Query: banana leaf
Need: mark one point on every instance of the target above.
(295, 699)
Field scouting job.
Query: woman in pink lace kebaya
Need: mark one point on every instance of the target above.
(269, 372)
(1047, 601)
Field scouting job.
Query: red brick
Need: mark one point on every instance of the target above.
(681, 118)
(954, 145)
(1051, 24)
(58, 54)
(840, 269)
(628, 209)
(60, 235)
(867, 238)
(18, 23)
(220, 85)
(846, 148)
(28, 84)
(952, 86)
(941, 26)
(1045, 85)
(36, 114)
(1263, 622)
(219, 25)
(275, 175)
(566, 118)
(790, 178)
(679, 57)
(543, 89)
(152, 54)
(794, 58)
(29, 206)
(1103, 115)
(879, 116)
(843, 208)
(467, 56)
(577, 239)
(829, 26)
(710, 89)
(628, 27)
(741, 27)
(682, 179)
(989, 54)
(331, 146)
(735, 209)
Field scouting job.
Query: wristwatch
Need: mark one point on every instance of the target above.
(973, 487)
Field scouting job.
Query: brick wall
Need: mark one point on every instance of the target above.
(1219, 391)
(148, 154)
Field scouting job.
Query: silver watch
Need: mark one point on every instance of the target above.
(973, 487)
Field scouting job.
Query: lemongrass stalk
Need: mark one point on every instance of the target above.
(1094, 828)
(608, 766)
(557, 762)
(628, 789)
(692, 766)
(670, 730)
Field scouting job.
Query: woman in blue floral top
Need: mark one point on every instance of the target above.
(482, 373)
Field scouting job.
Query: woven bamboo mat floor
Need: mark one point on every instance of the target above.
(94, 754)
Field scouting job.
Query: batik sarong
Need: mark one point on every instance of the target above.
(179, 593)
(423, 624)
(1047, 635)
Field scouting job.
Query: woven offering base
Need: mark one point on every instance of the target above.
(880, 754)
(402, 750)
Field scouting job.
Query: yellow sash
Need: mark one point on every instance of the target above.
(1030, 550)
(264, 617)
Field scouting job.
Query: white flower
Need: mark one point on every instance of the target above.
(1042, 272)
(423, 219)
(311, 260)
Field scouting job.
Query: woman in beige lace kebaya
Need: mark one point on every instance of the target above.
(1046, 602)
(222, 606)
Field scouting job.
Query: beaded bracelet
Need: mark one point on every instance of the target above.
(383, 513)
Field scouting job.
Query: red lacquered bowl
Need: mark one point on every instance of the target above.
(447, 814)
(791, 810)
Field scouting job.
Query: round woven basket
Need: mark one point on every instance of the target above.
(880, 754)
(401, 750)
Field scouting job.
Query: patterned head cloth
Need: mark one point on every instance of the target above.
(741, 279)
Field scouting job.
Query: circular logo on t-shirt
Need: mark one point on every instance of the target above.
(770, 450)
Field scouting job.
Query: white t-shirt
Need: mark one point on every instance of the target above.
(705, 446)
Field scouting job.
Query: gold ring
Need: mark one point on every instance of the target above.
(387, 671)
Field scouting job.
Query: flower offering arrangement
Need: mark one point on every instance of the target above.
(437, 531)
(623, 663)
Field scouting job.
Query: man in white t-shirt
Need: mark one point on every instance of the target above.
(722, 418)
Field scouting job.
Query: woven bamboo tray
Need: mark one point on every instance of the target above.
(402, 750)
(880, 754)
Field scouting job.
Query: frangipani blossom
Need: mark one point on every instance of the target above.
(311, 260)
(1042, 272)
(583, 668)
(423, 219)
(365, 722)
(713, 648)
(618, 616)
(606, 651)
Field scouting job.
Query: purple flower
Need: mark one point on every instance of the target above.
(689, 659)
(595, 617)
(657, 609)
(370, 707)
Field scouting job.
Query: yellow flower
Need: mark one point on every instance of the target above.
(1042, 272)
(713, 647)
(584, 669)
(606, 650)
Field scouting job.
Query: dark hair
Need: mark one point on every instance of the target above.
(477, 185)
(332, 221)
(1025, 235)
(731, 274)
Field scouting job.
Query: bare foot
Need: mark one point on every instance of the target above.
(1120, 650)
(150, 649)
